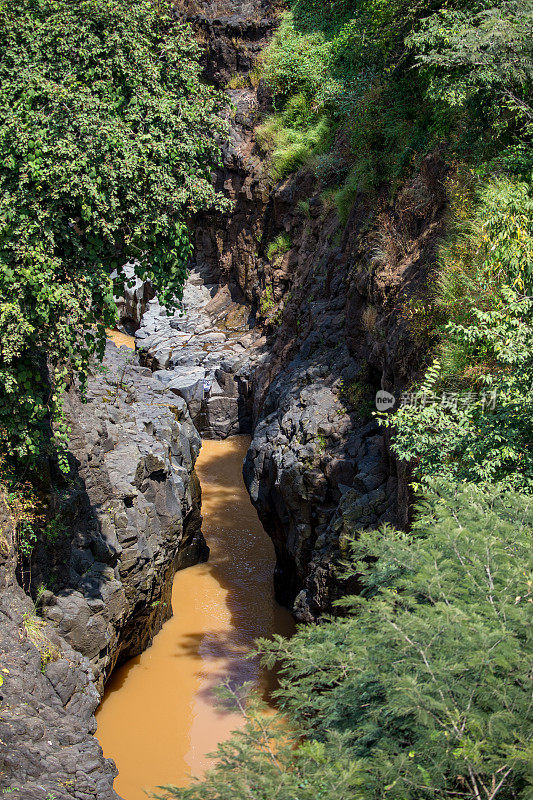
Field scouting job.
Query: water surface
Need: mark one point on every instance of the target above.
(159, 717)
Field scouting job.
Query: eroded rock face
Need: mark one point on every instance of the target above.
(232, 32)
(129, 516)
(341, 337)
(47, 706)
(136, 295)
(331, 302)
(203, 354)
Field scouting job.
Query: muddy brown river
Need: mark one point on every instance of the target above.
(159, 717)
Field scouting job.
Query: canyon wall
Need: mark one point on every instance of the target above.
(125, 517)
(47, 698)
(128, 514)
(331, 307)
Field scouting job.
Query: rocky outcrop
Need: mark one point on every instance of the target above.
(232, 33)
(47, 703)
(230, 249)
(126, 517)
(203, 354)
(134, 298)
(120, 523)
(342, 335)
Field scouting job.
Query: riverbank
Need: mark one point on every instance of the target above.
(159, 718)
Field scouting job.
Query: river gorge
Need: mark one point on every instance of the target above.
(160, 717)
(216, 460)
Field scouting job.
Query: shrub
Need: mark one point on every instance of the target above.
(305, 207)
(280, 245)
(480, 428)
(35, 629)
(480, 314)
(295, 63)
(291, 142)
(108, 137)
(369, 318)
(266, 302)
(479, 64)
(399, 77)
(422, 688)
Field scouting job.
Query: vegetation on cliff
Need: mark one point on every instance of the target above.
(108, 138)
(421, 687)
(393, 79)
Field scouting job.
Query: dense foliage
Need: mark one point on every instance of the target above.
(107, 136)
(423, 688)
(392, 80)
(477, 62)
(469, 419)
(483, 432)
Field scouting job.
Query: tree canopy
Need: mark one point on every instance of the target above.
(422, 689)
(108, 137)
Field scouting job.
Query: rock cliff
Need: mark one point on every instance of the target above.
(48, 699)
(339, 336)
(123, 520)
(203, 355)
(127, 517)
(331, 302)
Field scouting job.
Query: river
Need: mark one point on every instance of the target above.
(159, 717)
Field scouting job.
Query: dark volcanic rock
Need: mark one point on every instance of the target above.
(132, 303)
(340, 337)
(129, 516)
(203, 354)
(47, 704)
(232, 33)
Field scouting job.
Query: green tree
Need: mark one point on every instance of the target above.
(423, 688)
(108, 137)
(478, 428)
(478, 61)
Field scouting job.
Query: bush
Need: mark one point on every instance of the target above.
(293, 137)
(481, 430)
(399, 77)
(280, 245)
(108, 137)
(295, 63)
(479, 65)
(469, 419)
(422, 689)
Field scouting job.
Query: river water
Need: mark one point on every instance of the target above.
(159, 717)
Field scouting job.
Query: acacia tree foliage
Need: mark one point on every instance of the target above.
(478, 62)
(423, 689)
(107, 140)
(478, 428)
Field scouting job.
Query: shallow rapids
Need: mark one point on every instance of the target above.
(159, 717)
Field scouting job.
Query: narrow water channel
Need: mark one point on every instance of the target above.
(159, 717)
